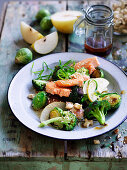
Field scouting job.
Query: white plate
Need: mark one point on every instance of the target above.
(21, 86)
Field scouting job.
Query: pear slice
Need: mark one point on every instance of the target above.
(46, 111)
(46, 44)
(29, 34)
(64, 21)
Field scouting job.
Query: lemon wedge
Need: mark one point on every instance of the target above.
(92, 87)
(102, 85)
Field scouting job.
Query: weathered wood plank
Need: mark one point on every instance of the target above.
(2, 16)
(34, 165)
(15, 139)
(109, 148)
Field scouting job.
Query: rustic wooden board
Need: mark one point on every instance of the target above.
(85, 149)
(35, 165)
(15, 139)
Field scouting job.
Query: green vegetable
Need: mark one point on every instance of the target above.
(46, 23)
(85, 101)
(56, 112)
(98, 110)
(39, 84)
(83, 71)
(113, 98)
(98, 73)
(62, 72)
(41, 14)
(66, 121)
(23, 56)
(39, 101)
(76, 94)
(54, 76)
(45, 67)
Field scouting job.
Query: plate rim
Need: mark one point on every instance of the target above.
(45, 56)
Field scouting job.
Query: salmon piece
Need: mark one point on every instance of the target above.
(77, 75)
(90, 67)
(52, 88)
(89, 63)
(77, 79)
(69, 82)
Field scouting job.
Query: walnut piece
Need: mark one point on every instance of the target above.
(31, 96)
(96, 142)
(120, 16)
(69, 105)
(87, 123)
(77, 106)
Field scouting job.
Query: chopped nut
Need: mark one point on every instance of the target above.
(123, 92)
(120, 16)
(116, 131)
(125, 140)
(77, 106)
(87, 123)
(69, 105)
(96, 142)
(118, 136)
(31, 96)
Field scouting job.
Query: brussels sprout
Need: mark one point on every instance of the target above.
(23, 56)
(56, 112)
(98, 73)
(46, 23)
(39, 84)
(113, 98)
(39, 101)
(42, 13)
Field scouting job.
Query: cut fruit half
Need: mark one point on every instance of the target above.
(101, 82)
(91, 90)
(29, 34)
(47, 44)
(46, 111)
(63, 21)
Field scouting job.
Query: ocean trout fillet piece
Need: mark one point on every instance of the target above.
(89, 63)
(69, 82)
(52, 88)
(77, 75)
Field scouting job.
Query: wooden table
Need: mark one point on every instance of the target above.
(21, 148)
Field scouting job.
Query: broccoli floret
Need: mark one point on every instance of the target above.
(98, 110)
(66, 121)
(83, 71)
(76, 94)
(39, 84)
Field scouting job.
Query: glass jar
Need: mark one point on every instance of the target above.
(97, 24)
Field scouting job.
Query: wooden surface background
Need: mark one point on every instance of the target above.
(21, 148)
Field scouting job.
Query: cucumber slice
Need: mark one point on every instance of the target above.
(91, 90)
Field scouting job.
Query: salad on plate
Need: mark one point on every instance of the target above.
(73, 94)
